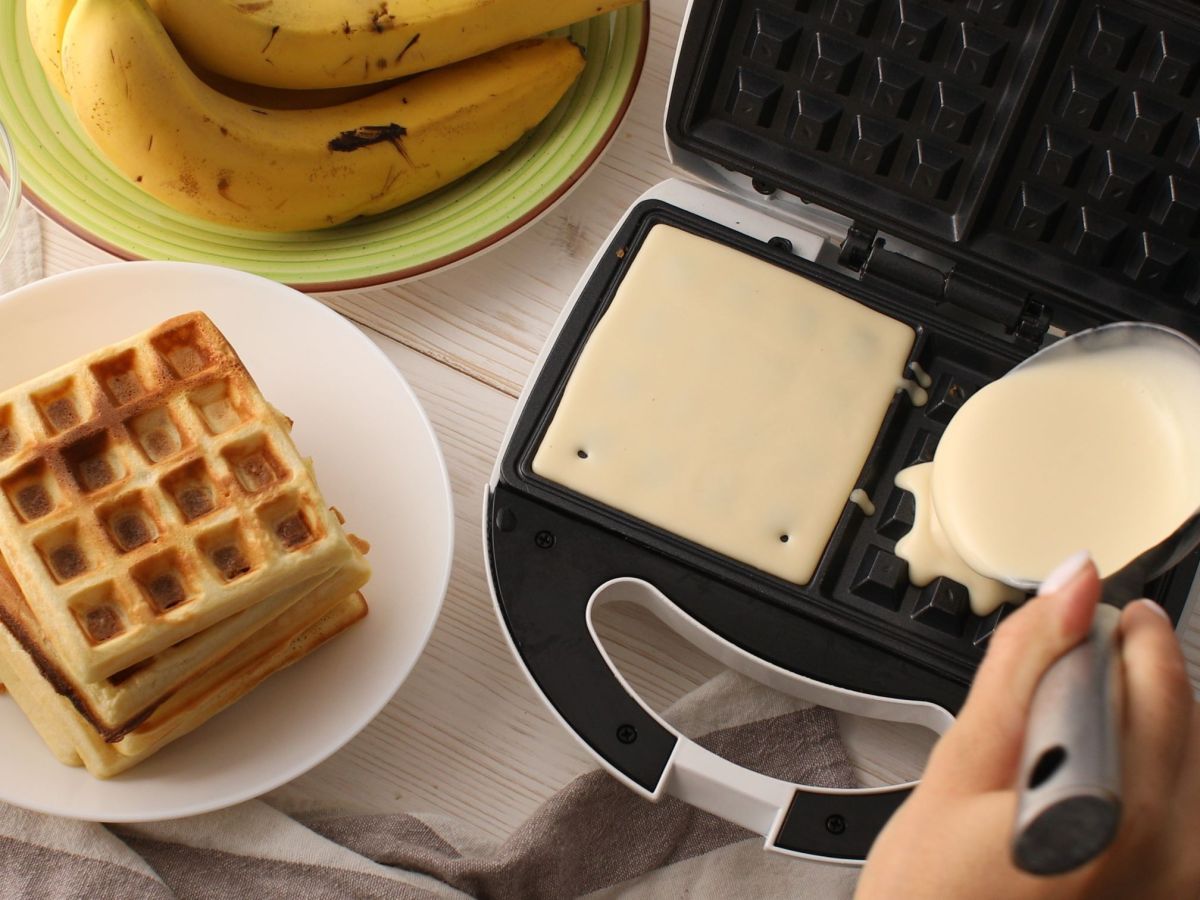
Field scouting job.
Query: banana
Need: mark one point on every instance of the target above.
(282, 98)
(281, 170)
(46, 20)
(302, 44)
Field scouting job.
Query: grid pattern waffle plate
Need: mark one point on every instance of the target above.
(1052, 141)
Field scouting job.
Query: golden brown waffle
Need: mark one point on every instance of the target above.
(148, 491)
(115, 706)
(302, 629)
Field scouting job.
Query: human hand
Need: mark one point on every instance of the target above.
(951, 838)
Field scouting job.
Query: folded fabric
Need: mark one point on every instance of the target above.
(569, 847)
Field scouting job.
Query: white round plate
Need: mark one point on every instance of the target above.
(377, 460)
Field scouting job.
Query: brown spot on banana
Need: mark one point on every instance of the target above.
(255, 7)
(368, 135)
(188, 184)
(382, 20)
(223, 187)
(271, 39)
(416, 37)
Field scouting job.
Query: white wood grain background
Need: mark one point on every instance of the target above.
(466, 736)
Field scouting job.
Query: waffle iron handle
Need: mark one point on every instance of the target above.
(827, 824)
(815, 823)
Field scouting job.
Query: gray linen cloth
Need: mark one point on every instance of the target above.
(592, 838)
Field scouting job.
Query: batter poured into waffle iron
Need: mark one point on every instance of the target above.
(728, 401)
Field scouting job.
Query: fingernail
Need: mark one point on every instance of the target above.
(1150, 604)
(1064, 573)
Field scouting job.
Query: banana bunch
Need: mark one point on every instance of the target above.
(301, 44)
(205, 137)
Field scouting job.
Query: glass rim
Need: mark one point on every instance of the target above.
(9, 171)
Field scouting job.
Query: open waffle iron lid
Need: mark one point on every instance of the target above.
(1032, 164)
(1047, 150)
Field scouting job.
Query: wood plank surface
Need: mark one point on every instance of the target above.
(466, 735)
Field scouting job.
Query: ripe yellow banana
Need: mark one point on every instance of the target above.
(302, 44)
(46, 20)
(214, 157)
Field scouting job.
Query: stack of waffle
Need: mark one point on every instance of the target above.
(163, 545)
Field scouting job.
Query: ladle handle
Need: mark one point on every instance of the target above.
(1069, 781)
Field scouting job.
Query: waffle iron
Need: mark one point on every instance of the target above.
(996, 174)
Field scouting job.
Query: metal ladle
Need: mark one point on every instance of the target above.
(1069, 782)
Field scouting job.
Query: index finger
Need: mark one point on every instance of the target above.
(982, 750)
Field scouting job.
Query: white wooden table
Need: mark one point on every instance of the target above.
(466, 736)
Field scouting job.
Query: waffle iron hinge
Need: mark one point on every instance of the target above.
(1020, 313)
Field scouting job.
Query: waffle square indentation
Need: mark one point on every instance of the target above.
(899, 514)
(1177, 205)
(1110, 39)
(118, 378)
(1173, 64)
(1094, 237)
(62, 407)
(218, 407)
(943, 605)
(855, 16)
(772, 40)
(1119, 180)
(1146, 125)
(1154, 260)
(62, 553)
(976, 55)
(289, 523)
(932, 170)
(1060, 157)
(156, 435)
(191, 489)
(954, 114)
(754, 98)
(1084, 100)
(32, 491)
(945, 399)
(99, 614)
(184, 350)
(924, 443)
(916, 30)
(94, 463)
(163, 581)
(882, 578)
(873, 146)
(833, 64)
(129, 523)
(226, 552)
(10, 440)
(814, 122)
(892, 89)
(254, 464)
(1035, 213)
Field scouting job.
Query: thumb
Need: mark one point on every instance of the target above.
(982, 750)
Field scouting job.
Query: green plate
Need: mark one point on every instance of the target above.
(72, 183)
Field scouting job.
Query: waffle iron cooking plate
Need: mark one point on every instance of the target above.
(993, 173)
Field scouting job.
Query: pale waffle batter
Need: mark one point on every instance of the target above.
(728, 401)
(148, 492)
